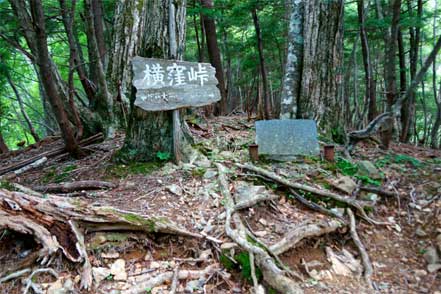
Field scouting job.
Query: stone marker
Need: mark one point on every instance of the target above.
(171, 84)
(284, 139)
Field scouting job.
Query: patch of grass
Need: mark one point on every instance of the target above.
(134, 168)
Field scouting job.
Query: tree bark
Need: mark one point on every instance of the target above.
(370, 86)
(408, 110)
(102, 102)
(267, 107)
(3, 147)
(214, 55)
(44, 64)
(292, 79)
(322, 64)
(148, 132)
(98, 21)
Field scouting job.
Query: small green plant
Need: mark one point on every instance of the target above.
(243, 259)
(346, 167)
(148, 290)
(109, 277)
(368, 180)
(163, 156)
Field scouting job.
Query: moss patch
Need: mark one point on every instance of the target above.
(133, 168)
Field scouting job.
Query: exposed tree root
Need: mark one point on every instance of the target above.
(315, 229)
(74, 186)
(272, 274)
(364, 256)
(160, 279)
(59, 223)
(29, 283)
(350, 202)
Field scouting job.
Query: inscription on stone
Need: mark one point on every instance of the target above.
(284, 139)
(170, 84)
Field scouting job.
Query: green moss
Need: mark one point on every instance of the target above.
(6, 185)
(123, 170)
(226, 262)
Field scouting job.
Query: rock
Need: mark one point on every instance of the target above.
(68, 285)
(56, 288)
(194, 285)
(228, 246)
(420, 273)
(118, 270)
(205, 255)
(210, 173)
(203, 162)
(100, 273)
(226, 155)
(261, 233)
(431, 255)
(174, 189)
(431, 268)
(155, 265)
(345, 184)
(367, 168)
(420, 232)
(263, 222)
(110, 255)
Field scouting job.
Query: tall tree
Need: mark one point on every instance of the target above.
(148, 132)
(214, 54)
(320, 96)
(292, 79)
(370, 85)
(44, 63)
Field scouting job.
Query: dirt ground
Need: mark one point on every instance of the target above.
(189, 195)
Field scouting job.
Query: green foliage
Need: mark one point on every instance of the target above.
(346, 167)
(163, 156)
(243, 259)
(56, 176)
(368, 180)
(6, 185)
(226, 262)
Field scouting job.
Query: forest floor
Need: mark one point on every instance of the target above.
(190, 196)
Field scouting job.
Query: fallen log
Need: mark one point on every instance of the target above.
(24, 169)
(359, 206)
(48, 154)
(58, 223)
(74, 186)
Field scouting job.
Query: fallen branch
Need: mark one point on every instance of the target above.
(24, 169)
(174, 284)
(74, 186)
(15, 275)
(315, 229)
(160, 279)
(272, 274)
(378, 191)
(55, 223)
(48, 154)
(364, 256)
(254, 200)
(350, 202)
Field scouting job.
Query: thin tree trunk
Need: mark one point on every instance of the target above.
(370, 86)
(215, 56)
(267, 107)
(68, 17)
(22, 109)
(292, 79)
(49, 84)
(103, 102)
(98, 21)
(196, 31)
(3, 147)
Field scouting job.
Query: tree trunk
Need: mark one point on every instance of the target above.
(3, 147)
(369, 74)
(214, 55)
(44, 64)
(22, 109)
(98, 21)
(266, 99)
(102, 102)
(149, 132)
(408, 110)
(292, 79)
(390, 69)
(322, 64)
(68, 17)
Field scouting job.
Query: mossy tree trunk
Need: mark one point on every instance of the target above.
(142, 29)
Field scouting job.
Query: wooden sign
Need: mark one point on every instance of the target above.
(170, 84)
